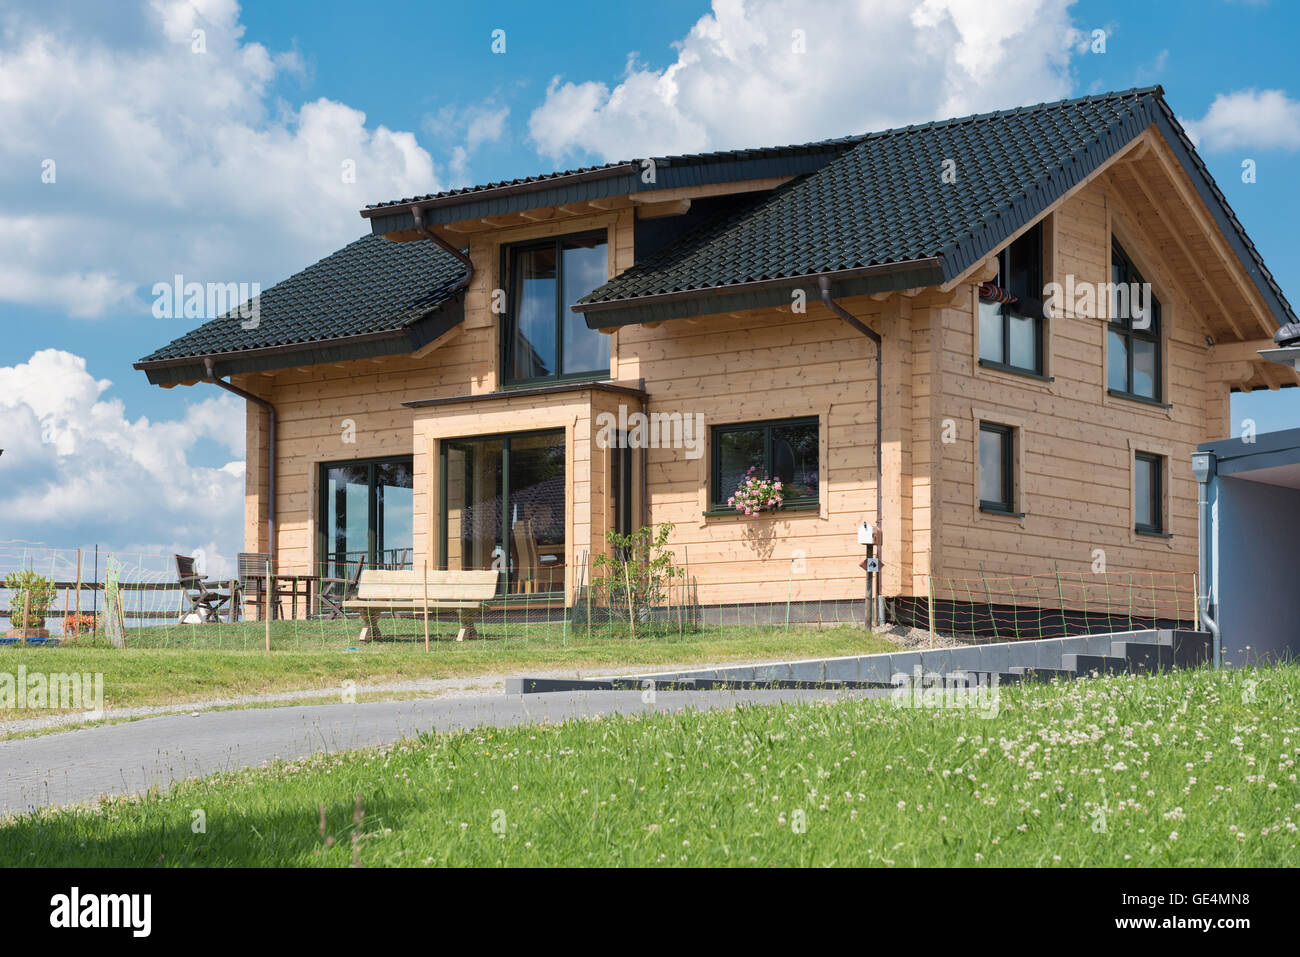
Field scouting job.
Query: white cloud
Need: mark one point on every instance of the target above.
(170, 161)
(75, 468)
(477, 125)
(1248, 119)
(737, 79)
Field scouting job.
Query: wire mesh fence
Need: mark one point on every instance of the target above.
(1052, 605)
(140, 601)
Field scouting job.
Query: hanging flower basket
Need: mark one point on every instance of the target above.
(757, 494)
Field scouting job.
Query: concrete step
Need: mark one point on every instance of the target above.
(1101, 664)
(1143, 657)
(1043, 674)
(1192, 648)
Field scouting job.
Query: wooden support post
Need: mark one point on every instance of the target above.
(27, 622)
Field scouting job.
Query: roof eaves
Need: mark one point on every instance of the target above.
(760, 294)
(409, 337)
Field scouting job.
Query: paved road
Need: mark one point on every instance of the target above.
(77, 766)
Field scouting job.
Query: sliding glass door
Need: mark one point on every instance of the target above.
(503, 507)
(366, 512)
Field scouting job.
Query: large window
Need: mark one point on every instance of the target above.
(503, 507)
(365, 512)
(997, 468)
(543, 337)
(787, 450)
(1011, 324)
(1148, 493)
(1133, 350)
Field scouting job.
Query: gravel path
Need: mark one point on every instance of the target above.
(79, 766)
(465, 686)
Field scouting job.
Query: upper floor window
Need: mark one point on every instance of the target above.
(1011, 318)
(543, 338)
(1133, 352)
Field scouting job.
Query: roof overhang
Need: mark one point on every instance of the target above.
(624, 179)
(1272, 458)
(404, 341)
(760, 294)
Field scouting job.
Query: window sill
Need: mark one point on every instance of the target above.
(1015, 370)
(544, 381)
(1133, 397)
(717, 512)
(1005, 513)
(1145, 533)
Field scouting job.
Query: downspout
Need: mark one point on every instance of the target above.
(824, 284)
(1203, 467)
(418, 215)
(208, 366)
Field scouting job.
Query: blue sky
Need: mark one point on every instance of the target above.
(221, 165)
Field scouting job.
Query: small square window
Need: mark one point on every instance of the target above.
(786, 450)
(997, 468)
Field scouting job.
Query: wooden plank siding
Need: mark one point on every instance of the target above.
(1075, 441)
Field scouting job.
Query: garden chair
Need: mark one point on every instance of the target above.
(335, 591)
(252, 582)
(205, 597)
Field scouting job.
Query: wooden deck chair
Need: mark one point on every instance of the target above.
(205, 598)
(335, 591)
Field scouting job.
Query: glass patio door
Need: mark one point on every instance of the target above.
(366, 512)
(503, 507)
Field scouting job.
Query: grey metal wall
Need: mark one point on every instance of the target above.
(1256, 543)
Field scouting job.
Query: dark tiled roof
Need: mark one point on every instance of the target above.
(885, 202)
(369, 286)
(715, 157)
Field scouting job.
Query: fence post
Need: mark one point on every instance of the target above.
(929, 588)
(1060, 596)
(426, 606)
(266, 605)
(1196, 604)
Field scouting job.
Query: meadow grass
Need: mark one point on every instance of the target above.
(139, 675)
(1188, 768)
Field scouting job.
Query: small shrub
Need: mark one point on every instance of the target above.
(31, 591)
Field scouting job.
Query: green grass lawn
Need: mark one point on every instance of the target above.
(140, 675)
(1191, 768)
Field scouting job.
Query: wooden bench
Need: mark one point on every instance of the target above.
(379, 591)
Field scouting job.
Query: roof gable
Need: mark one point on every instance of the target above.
(883, 216)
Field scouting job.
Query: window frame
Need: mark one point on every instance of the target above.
(509, 252)
(1124, 329)
(717, 503)
(1008, 433)
(373, 519)
(444, 442)
(1157, 492)
(1039, 368)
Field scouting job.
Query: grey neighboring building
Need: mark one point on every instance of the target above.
(1250, 544)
